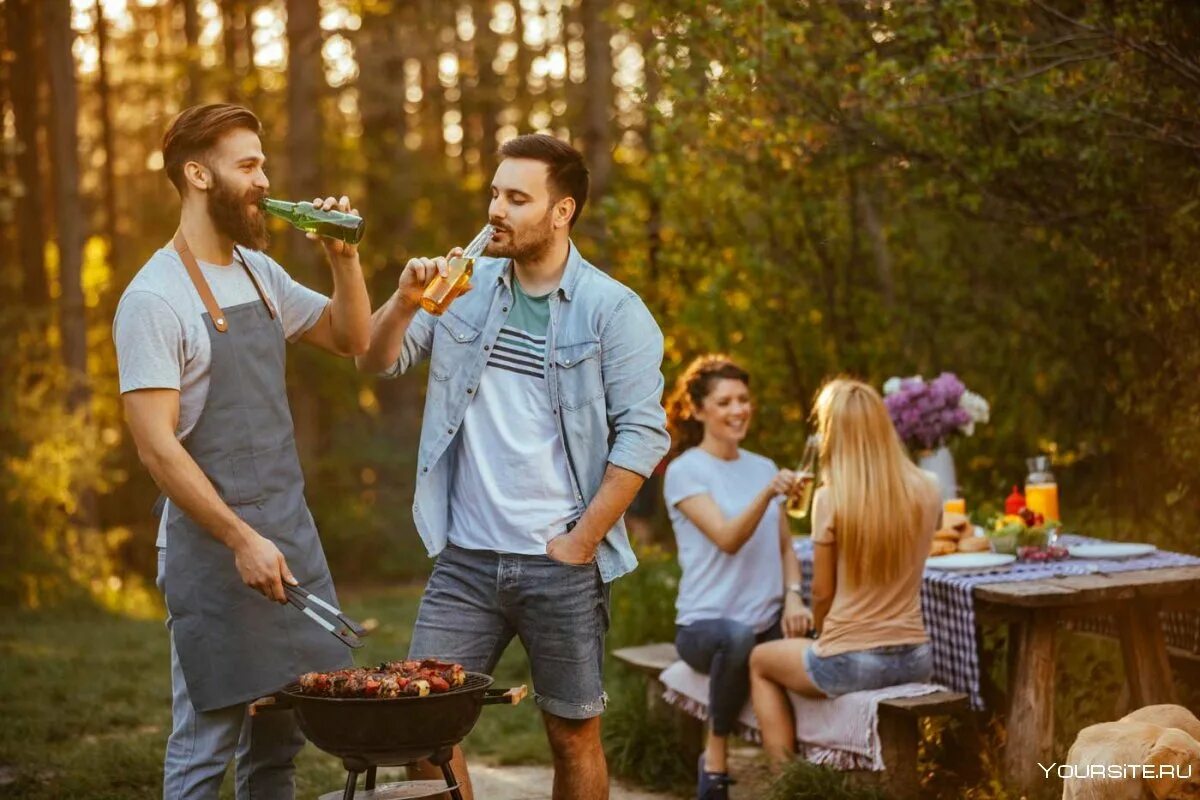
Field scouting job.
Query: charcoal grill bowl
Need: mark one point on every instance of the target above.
(392, 731)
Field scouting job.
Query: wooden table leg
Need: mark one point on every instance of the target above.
(1147, 665)
(1030, 721)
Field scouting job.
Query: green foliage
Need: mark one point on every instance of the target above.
(642, 606)
(1005, 190)
(805, 781)
(58, 461)
(641, 746)
(1001, 190)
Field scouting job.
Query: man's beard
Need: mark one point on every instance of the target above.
(526, 245)
(231, 215)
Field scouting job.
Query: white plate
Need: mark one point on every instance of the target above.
(970, 561)
(1110, 550)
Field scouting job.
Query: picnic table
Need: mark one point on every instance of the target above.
(1131, 599)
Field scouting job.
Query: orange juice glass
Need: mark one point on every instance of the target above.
(955, 505)
(1043, 498)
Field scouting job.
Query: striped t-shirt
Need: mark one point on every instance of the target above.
(511, 491)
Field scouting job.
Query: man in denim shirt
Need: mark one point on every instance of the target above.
(543, 416)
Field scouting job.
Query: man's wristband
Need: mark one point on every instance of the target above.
(796, 589)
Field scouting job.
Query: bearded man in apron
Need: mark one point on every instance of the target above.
(200, 334)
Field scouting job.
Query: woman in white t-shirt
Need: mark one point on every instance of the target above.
(741, 580)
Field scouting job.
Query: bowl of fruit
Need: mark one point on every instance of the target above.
(1026, 535)
(1005, 536)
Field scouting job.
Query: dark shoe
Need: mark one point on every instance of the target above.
(712, 785)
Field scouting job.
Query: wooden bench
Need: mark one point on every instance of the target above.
(899, 720)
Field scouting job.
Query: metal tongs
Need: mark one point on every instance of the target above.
(349, 631)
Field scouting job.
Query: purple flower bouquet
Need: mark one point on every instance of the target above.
(927, 413)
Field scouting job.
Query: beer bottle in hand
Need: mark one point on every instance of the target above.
(440, 292)
(307, 217)
(798, 501)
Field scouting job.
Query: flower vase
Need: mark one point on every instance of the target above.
(941, 463)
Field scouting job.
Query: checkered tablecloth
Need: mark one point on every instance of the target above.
(948, 605)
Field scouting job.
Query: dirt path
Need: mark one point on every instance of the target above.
(534, 782)
(524, 782)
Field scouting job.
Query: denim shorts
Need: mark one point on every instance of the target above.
(477, 600)
(861, 670)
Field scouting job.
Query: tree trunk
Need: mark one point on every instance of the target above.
(70, 215)
(868, 206)
(386, 40)
(654, 199)
(576, 89)
(470, 68)
(21, 22)
(191, 34)
(304, 183)
(486, 45)
(304, 154)
(433, 95)
(389, 37)
(110, 151)
(255, 84)
(229, 39)
(524, 62)
(597, 131)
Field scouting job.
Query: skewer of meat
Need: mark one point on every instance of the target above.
(394, 679)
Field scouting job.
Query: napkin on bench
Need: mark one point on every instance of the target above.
(840, 732)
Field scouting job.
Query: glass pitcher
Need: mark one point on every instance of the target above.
(1041, 488)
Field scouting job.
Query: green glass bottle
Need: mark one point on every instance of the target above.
(307, 217)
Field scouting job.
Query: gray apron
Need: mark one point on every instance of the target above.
(234, 644)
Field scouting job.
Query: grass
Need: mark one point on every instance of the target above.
(804, 781)
(85, 699)
(85, 704)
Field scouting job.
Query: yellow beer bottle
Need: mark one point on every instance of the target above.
(441, 292)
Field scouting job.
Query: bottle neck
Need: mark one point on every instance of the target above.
(277, 206)
(477, 245)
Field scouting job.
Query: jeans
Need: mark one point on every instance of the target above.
(862, 670)
(477, 600)
(720, 648)
(202, 743)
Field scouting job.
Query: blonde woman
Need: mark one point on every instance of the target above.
(741, 580)
(873, 520)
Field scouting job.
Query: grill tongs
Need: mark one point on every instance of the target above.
(348, 631)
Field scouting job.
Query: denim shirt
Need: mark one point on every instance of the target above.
(604, 374)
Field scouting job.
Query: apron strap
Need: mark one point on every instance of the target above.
(206, 295)
(253, 279)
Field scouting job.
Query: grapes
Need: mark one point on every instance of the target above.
(1036, 554)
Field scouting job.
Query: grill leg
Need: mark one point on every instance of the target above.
(448, 774)
(370, 784)
(351, 780)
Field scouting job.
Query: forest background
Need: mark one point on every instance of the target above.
(1006, 190)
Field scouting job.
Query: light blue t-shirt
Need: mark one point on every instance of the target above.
(748, 585)
(511, 491)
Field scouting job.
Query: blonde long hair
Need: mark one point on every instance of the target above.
(875, 489)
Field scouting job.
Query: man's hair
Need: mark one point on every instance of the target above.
(568, 174)
(196, 130)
